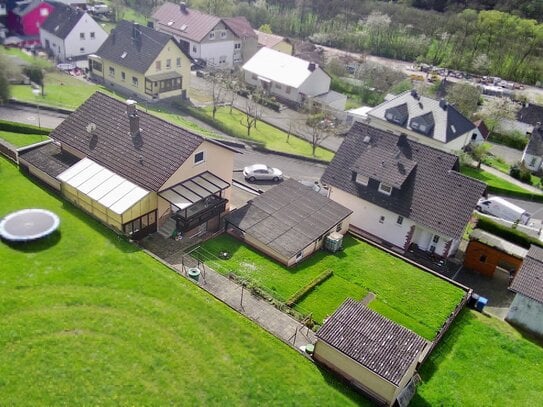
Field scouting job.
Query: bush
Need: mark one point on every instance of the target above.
(512, 235)
(305, 290)
(515, 139)
(520, 172)
(22, 128)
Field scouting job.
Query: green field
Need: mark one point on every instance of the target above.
(491, 180)
(482, 361)
(405, 294)
(21, 140)
(89, 319)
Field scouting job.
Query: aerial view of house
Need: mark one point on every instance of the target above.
(402, 192)
(220, 42)
(141, 61)
(426, 120)
(135, 171)
(71, 33)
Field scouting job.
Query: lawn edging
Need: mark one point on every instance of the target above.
(306, 290)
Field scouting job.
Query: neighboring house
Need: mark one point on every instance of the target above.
(135, 172)
(531, 114)
(402, 192)
(288, 222)
(275, 42)
(372, 352)
(286, 77)
(487, 253)
(360, 114)
(141, 61)
(482, 130)
(221, 42)
(532, 157)
(74, 3)
(507, 126)
(70, 33)
(428, 121)
(526, 310)
(27, 18)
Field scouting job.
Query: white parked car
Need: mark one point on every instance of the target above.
(262, 172)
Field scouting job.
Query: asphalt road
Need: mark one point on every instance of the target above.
(28, 115)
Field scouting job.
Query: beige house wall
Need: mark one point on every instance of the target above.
(36, 172)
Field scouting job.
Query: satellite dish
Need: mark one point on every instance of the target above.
(91, 127)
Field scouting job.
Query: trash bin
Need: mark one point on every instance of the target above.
(480, 304)
(194, 274)
(472, 301)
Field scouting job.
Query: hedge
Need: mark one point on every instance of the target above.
(305, 290)
(511, 235)
(515, 194)
(23, 128)
(514, 140)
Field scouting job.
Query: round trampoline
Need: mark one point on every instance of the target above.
(28, 224)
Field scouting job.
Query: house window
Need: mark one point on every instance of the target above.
(237, 46)
(223, 34)
(158, 65)
(222, 59)
(168, 64)
(288, 90)
(96, 66)
(81, 36)
(44, 12)
(482, 259)
(473, 136)
(92, 36)
(362, 180)
(134, 81)
(123, 76)
(111, 71)
(381, 219)
(178, 62)
(194, 48)
(299, 256)
(212, 35)
(339, 226)
(81, 49)
(399, 221)
(435, 239)
(385, 189)
(199, 157)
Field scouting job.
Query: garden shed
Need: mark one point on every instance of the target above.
(288, 222)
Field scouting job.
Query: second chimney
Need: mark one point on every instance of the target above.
(183, 7)
(133, 117)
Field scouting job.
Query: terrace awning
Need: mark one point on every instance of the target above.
(163, 76)
(194, 189)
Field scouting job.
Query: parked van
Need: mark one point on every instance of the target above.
(503, 209)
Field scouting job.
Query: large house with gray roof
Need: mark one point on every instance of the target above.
(70, 33)
(220, 42)
(372, 352)
(135, 172)
(425, 120)
(402, 192)
(141, 62)
(288, 222)
(532, 157)
(526, 310)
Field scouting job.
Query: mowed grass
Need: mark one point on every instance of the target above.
(482, 361)
(88, 319)
(491, 180)
(272, 138)
(405, 294)
(21, 140)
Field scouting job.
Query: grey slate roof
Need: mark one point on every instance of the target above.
(240, 26)
(535, 144)
(62, 20)
(529, 279)
(433, 194)
(372, 340)
(449, 123)
(138, 54)
(148, 160)
(531, 114)
(288, 217)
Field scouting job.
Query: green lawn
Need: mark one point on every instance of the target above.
(44, 63)
(21, 140)
(405, 294)
(482, 361)
(273, 138)
(491, 179)
(88, 319)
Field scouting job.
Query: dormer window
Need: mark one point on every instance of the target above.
(362, 180)
(385, 189)
(211, 35)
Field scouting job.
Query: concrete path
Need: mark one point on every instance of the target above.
(257, 309)
(509, 155)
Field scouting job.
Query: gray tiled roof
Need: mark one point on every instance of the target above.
(529, 279)
(531, 114)
(240, 26)
(138, 54)
(288, 217)
(535, 144)
(148, 161)
(449, 123)
(372, 340)
(49, 158)
(434, 194)
(62, 20)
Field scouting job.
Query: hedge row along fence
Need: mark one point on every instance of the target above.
(304, 291)
(515, 194)
(512, 235)
(23, 128)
